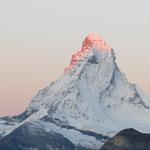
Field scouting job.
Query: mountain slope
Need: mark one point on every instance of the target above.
(90, 103)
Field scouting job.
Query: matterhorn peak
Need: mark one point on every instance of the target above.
(90, 43)
(83, 109)
(95, 41)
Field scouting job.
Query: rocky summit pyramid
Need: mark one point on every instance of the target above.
(88, 104)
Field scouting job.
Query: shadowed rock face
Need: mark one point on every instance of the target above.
(28, 137)
(128, 139)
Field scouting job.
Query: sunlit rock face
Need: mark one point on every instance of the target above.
(92, 41)
(95, 41)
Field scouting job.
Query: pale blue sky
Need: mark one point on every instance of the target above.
(38, 37)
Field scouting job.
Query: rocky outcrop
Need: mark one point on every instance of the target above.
(128, 139)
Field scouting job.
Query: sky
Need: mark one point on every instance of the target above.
(38, 37)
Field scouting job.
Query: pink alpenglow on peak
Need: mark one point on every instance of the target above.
(95, 41)
(92, 41)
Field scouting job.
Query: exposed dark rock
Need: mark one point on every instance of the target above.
(128, 139)
(93, 60)
(29, 137)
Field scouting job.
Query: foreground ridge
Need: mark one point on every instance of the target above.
(128, 139)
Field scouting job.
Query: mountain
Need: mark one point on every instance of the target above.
(128, 139)
(84, 108)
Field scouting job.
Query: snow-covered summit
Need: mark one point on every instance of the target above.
(92, 41)
(95, 41)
